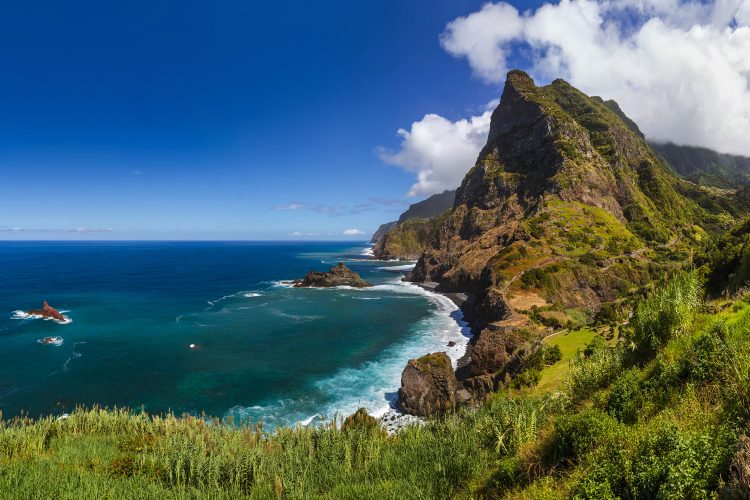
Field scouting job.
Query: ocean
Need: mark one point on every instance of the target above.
(210, 327)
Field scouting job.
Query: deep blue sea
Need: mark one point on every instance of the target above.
(262, 350)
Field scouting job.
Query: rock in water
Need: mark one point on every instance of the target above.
(47, 311)
(428, 385)
(339, 275)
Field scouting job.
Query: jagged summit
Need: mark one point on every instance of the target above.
(563, 208)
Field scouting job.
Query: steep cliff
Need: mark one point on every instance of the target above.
(566, 207)
(380, 232)
(704, 166)
(407, 237)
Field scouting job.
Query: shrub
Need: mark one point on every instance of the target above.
(670, 463)
(577, 434)
(597, 344)
(360, 420)
(626, 397)
(666, 312)
(552, 354)
(590, 374)
(709, 355)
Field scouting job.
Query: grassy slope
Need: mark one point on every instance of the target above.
(571, 344)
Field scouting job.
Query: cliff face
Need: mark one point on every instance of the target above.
(563, 210)
(408, 237)
(704, 166)
(384, 228)
(430, 207)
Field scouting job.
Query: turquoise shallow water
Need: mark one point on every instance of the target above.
(262, 350)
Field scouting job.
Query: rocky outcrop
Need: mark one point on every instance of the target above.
(47, 311)
(491, 352)
(339, 275)
(428, 385)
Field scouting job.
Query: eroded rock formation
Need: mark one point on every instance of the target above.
(339, 275)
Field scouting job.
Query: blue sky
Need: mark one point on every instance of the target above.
(193, 120)
(309, 120)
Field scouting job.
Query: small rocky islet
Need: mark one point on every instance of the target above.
(47, 311)
(339, 275)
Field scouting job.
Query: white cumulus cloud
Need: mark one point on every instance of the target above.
(439, 151)
(680, 69)
(353, 232)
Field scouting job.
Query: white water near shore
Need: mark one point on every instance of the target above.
(374, 385)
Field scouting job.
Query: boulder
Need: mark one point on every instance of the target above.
(48, 312)
(491, 352)
(428, 385)
(339, 275)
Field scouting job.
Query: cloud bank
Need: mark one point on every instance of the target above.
(439, 151)
(680, 69)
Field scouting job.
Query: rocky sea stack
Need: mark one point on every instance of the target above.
(47, 311)
(428, 385)
(339, 275)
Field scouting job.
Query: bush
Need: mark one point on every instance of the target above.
(577, 434)
(666, 312)
(590, 374)
(626, 397)
(597, 344)
(362, 421)
(709, 355)
(666, 462)
(552, 354)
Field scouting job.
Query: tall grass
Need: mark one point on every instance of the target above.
(667, 311)
(594, 372)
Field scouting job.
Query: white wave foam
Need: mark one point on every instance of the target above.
(405, 267)
(299, 318)
(250, 295)
(374, 384)
(368, 251)
(22, 315)
(56, 341)
(75, 354)
(282, 284)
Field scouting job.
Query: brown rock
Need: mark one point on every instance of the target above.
(48, 312)
(428, 385)
(491, 352)
(339, 275)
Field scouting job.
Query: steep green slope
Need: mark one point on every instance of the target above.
(415, 228)
(429, 207)
(704, 166)
(407, 240)
(567, 207)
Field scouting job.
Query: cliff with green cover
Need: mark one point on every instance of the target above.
(567, 207)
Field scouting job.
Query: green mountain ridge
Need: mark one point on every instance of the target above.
(566, 208)
(414, 229)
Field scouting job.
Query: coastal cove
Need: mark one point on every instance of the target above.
(212, 327)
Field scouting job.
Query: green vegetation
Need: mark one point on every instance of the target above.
(603, 422)
(408, 239)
